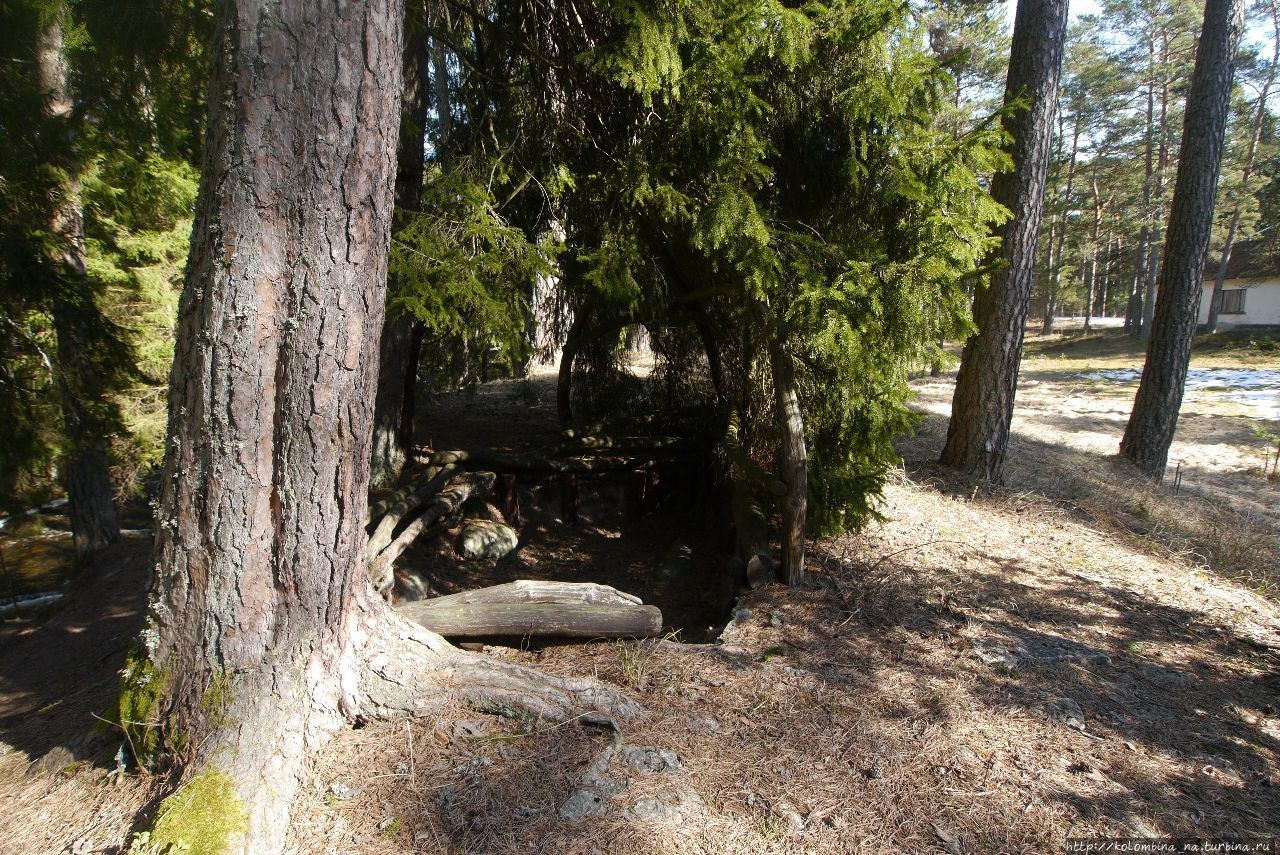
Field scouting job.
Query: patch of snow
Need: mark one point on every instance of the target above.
(1256, 388)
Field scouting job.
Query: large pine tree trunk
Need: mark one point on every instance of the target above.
(264, 632)
(397, 362)
(982, 406)
(85, 463)
(1155, 409)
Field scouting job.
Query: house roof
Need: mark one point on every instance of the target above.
(1251, 259)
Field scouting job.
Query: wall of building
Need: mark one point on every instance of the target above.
(1261, 304)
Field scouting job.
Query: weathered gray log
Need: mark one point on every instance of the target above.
(439, 507)
(573, 620)
(378, 508)
(538, 591)
(408, 501)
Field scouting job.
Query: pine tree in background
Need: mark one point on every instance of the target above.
(982, 407)
(1155, 409)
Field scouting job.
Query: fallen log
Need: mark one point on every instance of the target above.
(534, 607)
(380, 507)
(538, 591)
(573, 620)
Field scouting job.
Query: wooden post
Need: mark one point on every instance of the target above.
(569, 498)
(509, 499)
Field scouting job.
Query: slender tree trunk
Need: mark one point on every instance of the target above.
(794, 460)
(397, 365)
(1146, 273)
(1092, 278)
(265, 634)
(982, 407)
(1156, 247)
(1215, 302)
(1155, 410)
(1062, 230)
(86, 474)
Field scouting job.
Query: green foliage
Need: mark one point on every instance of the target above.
(124, 155)
(462, 270)
(794, 164)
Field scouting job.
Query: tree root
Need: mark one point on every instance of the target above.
(411, 671)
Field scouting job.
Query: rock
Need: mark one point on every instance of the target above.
(706, 724)
(582, 804)
(788, 812)
(673, 806)
(649, 759)
(1067, 711)
(995, 653)
(775, 619)
(481, 539)
(342, 791)
(655, 810)
(410, 585)
(1139, 827)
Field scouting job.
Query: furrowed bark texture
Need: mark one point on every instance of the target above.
(86, 476)
(982, 407)
(397, 363)
(1155, 408)
(260, 579)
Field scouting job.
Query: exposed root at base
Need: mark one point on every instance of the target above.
(413, 671)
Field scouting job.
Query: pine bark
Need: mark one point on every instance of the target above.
(398, 351)
(982, 407)
(264, 633)
(260, 573)
(86, 473)
(1155, 411)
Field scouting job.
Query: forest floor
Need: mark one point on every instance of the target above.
(1073, 654)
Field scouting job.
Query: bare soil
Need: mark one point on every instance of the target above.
(986, 670)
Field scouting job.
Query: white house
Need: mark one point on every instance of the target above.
(1251, 291)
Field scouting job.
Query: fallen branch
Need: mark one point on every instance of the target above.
(442, 506)
(528, 607)
(408, 501)
(574, 620)
(537, 591)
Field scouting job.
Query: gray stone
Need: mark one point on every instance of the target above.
(582, 804)
(788, 812)
(995, 653)
(481, 539)
(1067, 711)
(649, 759)
(54, 761)
(655, 810)
(673, 806)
